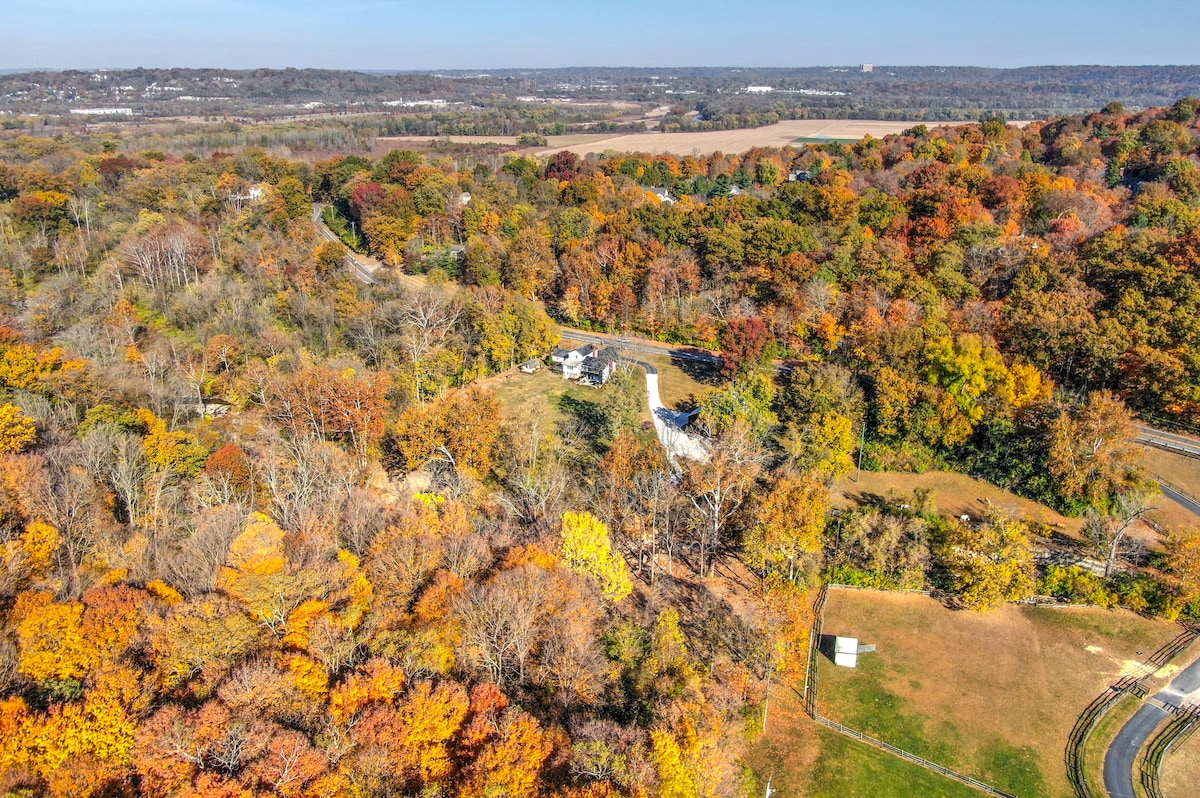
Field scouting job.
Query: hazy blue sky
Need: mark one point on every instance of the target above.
(448, 34)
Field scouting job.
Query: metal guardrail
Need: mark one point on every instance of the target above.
(1174, 486)
(1148, 437)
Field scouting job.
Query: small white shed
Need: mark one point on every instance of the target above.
(845, 652)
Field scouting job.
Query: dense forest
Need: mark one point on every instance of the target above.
(266, 530)
(576, 99)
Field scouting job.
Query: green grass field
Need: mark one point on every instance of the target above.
(993, 696)
(803, 758)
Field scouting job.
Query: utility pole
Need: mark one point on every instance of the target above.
(862, 441)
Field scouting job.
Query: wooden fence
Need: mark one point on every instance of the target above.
(1134, 684)
(810, 700)
(1181, 725)
(900, 752)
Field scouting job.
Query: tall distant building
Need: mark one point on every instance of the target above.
(868, 67)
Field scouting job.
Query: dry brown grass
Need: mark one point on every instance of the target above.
(994, 695)
(953, 494)
(518, 392)
(780, 134)
(1181, 769)
(680, 384)
(1185, 472)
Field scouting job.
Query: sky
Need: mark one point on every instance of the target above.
(483, 34)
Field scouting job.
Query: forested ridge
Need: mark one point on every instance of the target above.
(265, 530)
(553, 100)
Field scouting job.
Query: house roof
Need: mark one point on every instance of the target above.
(602, 359)
(582, 351)
(662, 193)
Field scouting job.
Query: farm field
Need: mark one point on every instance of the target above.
(991, 695)
(780, 134)
(953, 494)
(383, 144)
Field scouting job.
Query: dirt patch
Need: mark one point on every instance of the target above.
(953, 494)
(993, 695)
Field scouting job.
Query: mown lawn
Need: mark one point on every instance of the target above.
(994, 695)
(803, 758)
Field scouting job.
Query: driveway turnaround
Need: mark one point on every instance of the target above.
(667, 423)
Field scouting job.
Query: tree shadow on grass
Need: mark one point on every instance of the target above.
(698, 370)
(583, 410)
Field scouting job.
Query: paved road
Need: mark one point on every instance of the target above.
(1119, 759)
(642, 345)
(363, 271)
(1180, 498)
(1171, 441)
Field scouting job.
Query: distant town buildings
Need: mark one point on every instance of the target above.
(103, 111)
(868, 67)
(759, 89)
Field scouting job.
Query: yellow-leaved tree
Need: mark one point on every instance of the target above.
(257, 573)
(17, 430)
(789, 520)
(53, 647)
(990, 562)
(588, 550)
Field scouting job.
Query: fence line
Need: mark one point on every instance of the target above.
(868, 588)
(900, 752)
(1035, 601)
(814, 642)
(1133, 684)
(810, 699)
(1174, 486)
(1178, 728)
